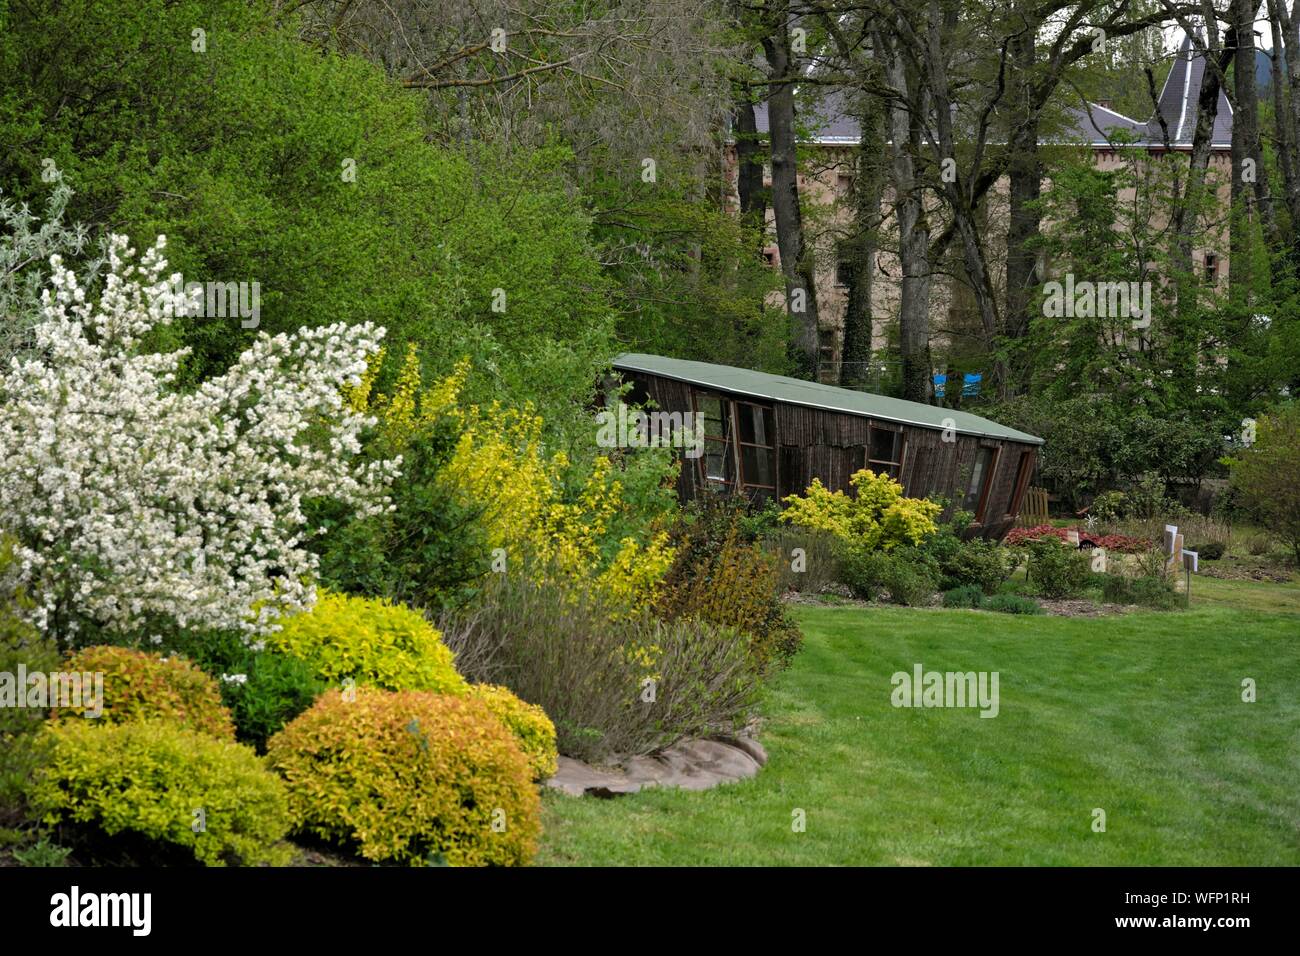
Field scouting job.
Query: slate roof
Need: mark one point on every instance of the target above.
(1090, 125)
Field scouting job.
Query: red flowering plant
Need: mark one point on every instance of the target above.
(1119, 543)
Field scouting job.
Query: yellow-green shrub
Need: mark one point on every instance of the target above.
(875, 516)
(407, 775)
(532, 729)
(722, 580)
(149, 777)
(144, 686)
(532, 503)
(372, 641)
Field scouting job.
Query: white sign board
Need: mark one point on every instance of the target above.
(1191, 560)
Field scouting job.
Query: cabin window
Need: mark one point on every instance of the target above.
(757, 442)
(1024, 471)
(977, 492)
(885, 451)
(718, 460)
(739, 445)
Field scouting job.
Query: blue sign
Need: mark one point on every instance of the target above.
(971, 383)
(939, 382)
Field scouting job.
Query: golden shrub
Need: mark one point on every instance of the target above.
(144, 686)
(408, 776)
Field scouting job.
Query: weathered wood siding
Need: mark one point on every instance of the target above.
(815, 443)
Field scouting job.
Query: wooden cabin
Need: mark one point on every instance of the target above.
(768, 436)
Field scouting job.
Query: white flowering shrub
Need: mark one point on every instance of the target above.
(132, 499)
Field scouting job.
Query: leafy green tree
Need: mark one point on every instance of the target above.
(1267, 473)
(264, 160)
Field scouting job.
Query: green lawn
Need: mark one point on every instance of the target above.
(1140, 715)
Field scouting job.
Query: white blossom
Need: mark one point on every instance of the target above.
(130, 497)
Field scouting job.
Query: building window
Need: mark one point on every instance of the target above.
(844, 273)
(885, 450)
(718, 461)
(1024, 471)
(1211, 268)
(981, 475)
(757, 444)
(739, 445)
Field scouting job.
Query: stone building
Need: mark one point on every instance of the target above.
(826, 184)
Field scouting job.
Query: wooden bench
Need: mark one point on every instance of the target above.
(1033, 509)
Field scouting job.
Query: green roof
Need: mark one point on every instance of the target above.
(794, 391)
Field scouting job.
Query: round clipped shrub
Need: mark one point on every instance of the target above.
(533, 730)
(1012, 604)
(143, 686)
(372, 641)
(968, 595)
(1211, 550)
(148, 779)
(409, 775)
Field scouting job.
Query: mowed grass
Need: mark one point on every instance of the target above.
(1138, 715)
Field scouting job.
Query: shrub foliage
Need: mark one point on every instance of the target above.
(149, 778)
(410, 775)
(142, 686)
(533, 730)
(372, 641)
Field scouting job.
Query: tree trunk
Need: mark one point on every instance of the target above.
(1184, 223)
(749, 162)
(1286, 130)
(913, 231)
(796, 259)
(1025, 182)
(868, 193)
(1285, 28)
(1247, 111)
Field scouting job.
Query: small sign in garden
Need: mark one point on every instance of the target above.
(1173, 548)
(1191, 564)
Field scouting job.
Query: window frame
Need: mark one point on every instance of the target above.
(732, 445)
(986, 488)
(1024, 473)
(726, 441)
(900, 449)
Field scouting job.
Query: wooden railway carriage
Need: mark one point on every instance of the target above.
(769, 436)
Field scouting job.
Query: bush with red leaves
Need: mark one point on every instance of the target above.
(1119, 543)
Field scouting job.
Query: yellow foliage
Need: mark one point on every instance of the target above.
(876, 516)
(532, 729)
(501, 465)
(371, 640)
(409, 775)
(147, 777)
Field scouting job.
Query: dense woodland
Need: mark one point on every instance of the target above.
(538, 186)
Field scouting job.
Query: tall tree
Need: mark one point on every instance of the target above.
(798, 264)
